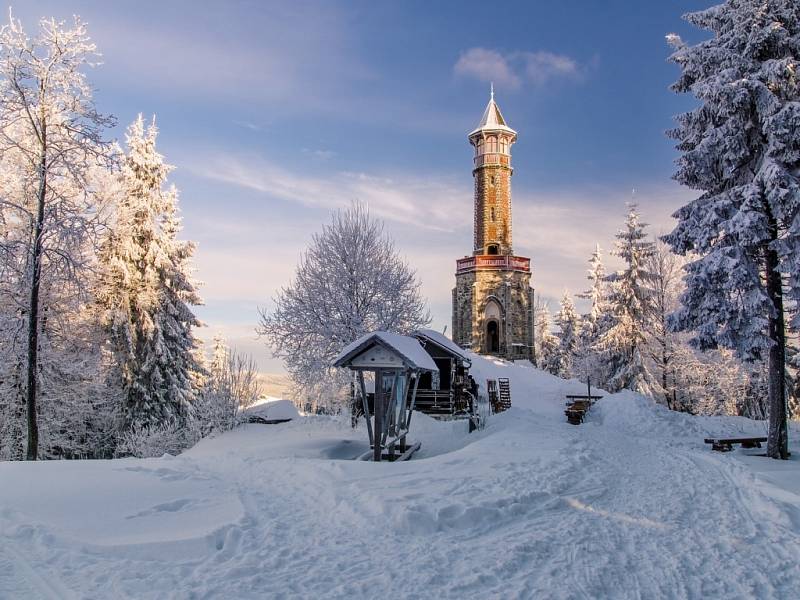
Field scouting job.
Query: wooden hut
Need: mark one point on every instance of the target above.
(447, 393)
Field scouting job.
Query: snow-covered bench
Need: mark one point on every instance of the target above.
(577, 407)
(726, 444)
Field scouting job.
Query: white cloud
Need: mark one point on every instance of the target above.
(487, 65)
(512, 69)
(426, 202)
(542, 66)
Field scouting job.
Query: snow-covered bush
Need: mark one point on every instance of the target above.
(230, 386)
(147, 441)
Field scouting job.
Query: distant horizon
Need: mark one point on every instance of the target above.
(274, 115)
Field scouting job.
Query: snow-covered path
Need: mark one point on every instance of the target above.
(629, 505)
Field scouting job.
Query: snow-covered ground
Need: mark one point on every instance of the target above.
(631, 504)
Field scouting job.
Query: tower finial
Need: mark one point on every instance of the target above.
(491, 90)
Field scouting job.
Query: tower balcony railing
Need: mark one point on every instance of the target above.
(493, 262)
(481, 160)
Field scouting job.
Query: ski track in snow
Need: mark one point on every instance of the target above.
(631, 504)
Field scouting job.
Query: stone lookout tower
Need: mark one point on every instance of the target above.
(493, 298)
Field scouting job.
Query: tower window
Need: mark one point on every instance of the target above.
(492, 181)
(504, 145)
(491, 211)
(492, 248)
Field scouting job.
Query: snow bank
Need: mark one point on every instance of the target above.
(273, 409)
(630, 504)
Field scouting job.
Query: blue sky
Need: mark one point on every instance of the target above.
(276, 113)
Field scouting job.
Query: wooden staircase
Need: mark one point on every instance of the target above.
(499, 392)
(505, 394)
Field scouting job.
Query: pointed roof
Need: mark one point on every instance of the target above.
(492, 119)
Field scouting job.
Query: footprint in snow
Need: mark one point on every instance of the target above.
(165, 507)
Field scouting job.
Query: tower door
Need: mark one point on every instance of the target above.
(492, 336)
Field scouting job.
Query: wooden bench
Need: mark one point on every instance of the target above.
(726, 444)
(577, 407)
(573, 397)
(576, 411)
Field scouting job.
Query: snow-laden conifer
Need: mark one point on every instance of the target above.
(594, 323)
(630, 297)
(147, 289)
(569, 326)
(741, 150)
(546, 344)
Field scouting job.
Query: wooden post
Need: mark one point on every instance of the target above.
(589, 388)
(378, 429)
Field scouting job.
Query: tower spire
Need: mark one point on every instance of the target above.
(491, 91)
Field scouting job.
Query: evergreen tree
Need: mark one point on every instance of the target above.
(147, 290)
(596, 322)
(630, 297)
(569, 337)
(547, 355)
(741, 149)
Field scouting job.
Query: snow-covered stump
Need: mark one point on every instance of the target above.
(396, 362)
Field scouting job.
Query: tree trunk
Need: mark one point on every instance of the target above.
(778, 438)
(33, 315)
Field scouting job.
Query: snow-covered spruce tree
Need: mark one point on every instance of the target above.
(741, 150)
(51, 131)
(350, 281)
(596, 322)
(147, 290)
(546, 344)
(569, 326)
(624, 343)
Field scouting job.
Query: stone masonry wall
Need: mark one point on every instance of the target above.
(492, 208)
(512, 291)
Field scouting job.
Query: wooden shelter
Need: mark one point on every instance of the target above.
(397, 362)
(446, 394)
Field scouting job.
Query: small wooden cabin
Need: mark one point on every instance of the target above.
(448, 393)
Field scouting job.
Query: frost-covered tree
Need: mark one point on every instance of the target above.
(666, 269)
(596, 322)
(350, 281)
(741, 150)
(569, 326)
(230, 386)
(147, 290)
(630, 297)
(51, 139)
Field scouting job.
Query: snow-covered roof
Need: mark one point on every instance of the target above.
(443, 342)
(492, 119)
(408, 348)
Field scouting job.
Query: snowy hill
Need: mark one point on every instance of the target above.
(630, 504)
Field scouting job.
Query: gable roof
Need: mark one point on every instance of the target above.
(408, 348)
(429, 335)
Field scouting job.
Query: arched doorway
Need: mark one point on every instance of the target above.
(492, 337)
(492, 332)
